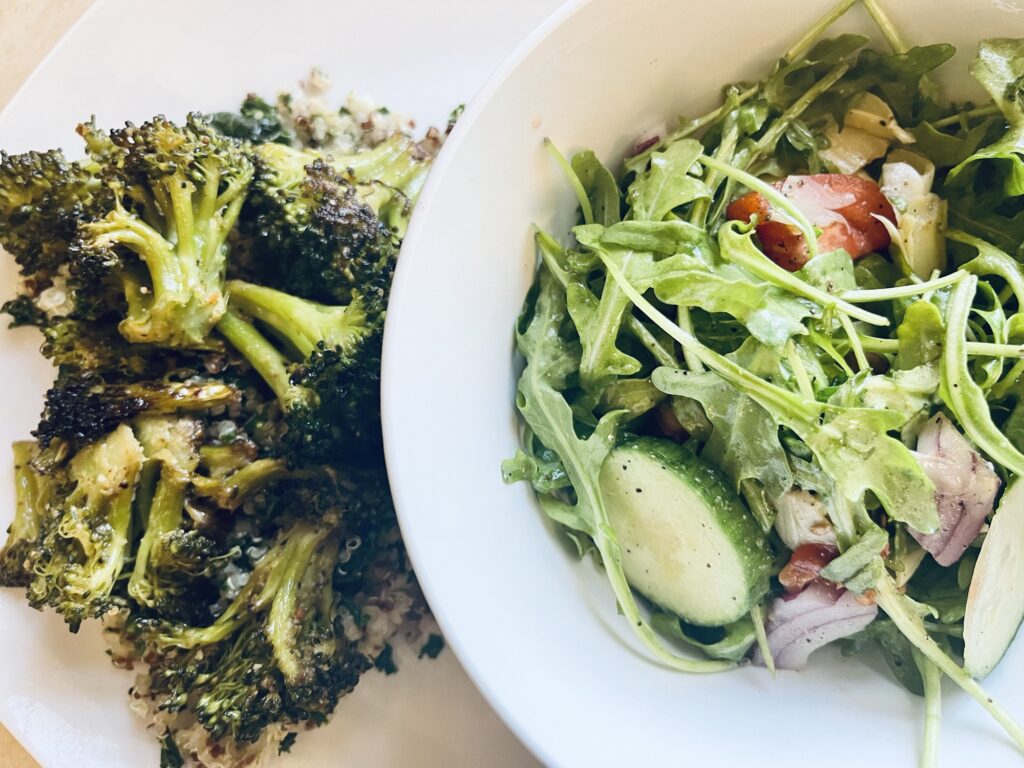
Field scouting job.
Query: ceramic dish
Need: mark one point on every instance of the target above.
(536, 628)
(59, 695)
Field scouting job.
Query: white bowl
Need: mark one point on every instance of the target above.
(537, 629)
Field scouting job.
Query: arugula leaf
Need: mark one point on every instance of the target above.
(985, 189)
(744, 440)
(667, 184)
(770, 315)
(857, 557)
(832, 272)
(538, 466)
(897, 76)
(855, 449)
(905, 613)
(719, 331)
(548, 414)
(791, 80)
(992, 261)
(920, 335)
(939, 589)
(1013, 427)
(700, 279)
(598, 321)
(665, 237)
(730, 642)
(906, 392)
(852, 445)
(875, 271)
(962, 395)
(735, 242)
(999, 67)
(600, 187)
(949, 149)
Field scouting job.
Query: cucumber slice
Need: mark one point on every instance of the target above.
(995, 599)
(688, 543)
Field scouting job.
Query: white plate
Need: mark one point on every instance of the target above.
(536, 629)
(128, 60)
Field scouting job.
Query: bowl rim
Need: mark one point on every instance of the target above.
(390, 363)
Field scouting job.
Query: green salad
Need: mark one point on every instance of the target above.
(773, 379)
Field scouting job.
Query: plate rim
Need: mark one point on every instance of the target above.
(390, 365)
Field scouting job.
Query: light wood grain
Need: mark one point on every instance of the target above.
(28, 30)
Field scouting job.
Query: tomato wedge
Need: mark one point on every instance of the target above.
(805, 565)
(843, 207)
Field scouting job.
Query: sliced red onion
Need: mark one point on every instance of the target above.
(649, 138)
(820, 614)
(965, 489)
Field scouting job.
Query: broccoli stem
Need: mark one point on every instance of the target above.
(164, 515)
(274, 572)
(232, 491)
(30, 502)
(148, 478)
(261, 354)
(106, 557)
(282, 620)
(303, 324)
(391, 166)
(222, 460)
(181, 216)
(29, 497)
(173, 275)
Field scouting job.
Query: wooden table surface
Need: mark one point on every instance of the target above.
(28, 30)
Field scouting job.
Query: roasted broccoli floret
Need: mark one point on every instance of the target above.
(86, 536)
(387, 178)
(74, 345)
(173, 565)
(178, 192)
(314, 236)
(321, 362)
(43, 198)
(231, 491)
(31, 501)
(322, 226)
(278, 651)
(220, 499)
(82, 406)
(23, 310)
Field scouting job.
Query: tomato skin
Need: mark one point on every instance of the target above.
(805, 565)
(843, 207)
